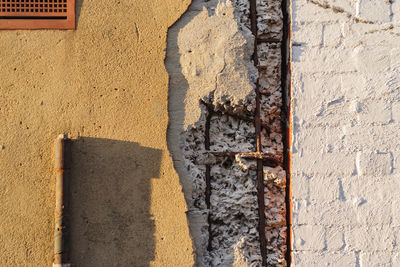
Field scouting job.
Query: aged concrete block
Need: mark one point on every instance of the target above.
(307, 11)
(370, 188)
(334, 237)
(373, 112)
(310, 35)
(396, 112)
(330, 190)
(353, 85)
(361, 138)
(338, 163)
(396, 11)
(319, 140)
(369, 238)
(376, 259)
(300, 186)
(327, 213)
(307, 59)
(307, 259)
(308, 237)
(374, 10)
(373, 212)
(371, 59)
(374, 163)
(332, 34)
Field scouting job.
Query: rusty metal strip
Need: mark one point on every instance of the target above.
(61, 230)
(260, 173)
(208, 176)
(287, 125)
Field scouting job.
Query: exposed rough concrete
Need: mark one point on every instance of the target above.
(209, 60)
(215, 56)
(346, 150)
(106, 83)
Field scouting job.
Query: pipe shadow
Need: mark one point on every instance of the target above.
(111, 222)
(78, 9)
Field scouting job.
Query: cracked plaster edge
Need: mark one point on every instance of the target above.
(196, 219)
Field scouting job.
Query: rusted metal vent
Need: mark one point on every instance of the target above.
(37, 14)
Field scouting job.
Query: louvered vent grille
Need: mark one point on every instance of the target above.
(37, 14)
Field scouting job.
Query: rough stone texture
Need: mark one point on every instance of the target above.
(345, 150)
(104, 82)
(209, 59)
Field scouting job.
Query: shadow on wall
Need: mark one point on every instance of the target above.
(111, 223)
(78, 9)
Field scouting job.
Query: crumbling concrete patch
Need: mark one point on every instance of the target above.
(209, 59)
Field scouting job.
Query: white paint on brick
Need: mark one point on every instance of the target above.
(346, 132)
(339, 259)
(374, 10)
(309, 237)
(376, 259)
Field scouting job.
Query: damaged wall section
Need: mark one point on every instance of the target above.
(212, 107)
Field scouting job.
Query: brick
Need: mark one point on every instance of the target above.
(376, 259)
(307, 259)
(324, 188)
(395, 259)
(317, 60)
(373, 212)
(372, 59)
(311, 35)
(300, 186)
(396, 162)
(334, 237)
(353, 85)
(369, 238)
(361, 138)
(305, 11)
(324, 163)
(332, 34)
(396, 112)
(396, 214)
(374, 112)
(336, 213)
(375, 163)
(396, 11)
(319, 139)
(372, 10)
(308, 237)
(336, 115)
(371, 188)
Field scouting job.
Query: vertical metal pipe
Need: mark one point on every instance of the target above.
(61, 230)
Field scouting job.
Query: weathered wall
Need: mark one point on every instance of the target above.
(346, 148)
(106, 83)
(213, 101)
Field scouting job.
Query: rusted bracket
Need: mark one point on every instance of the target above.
(61, 230)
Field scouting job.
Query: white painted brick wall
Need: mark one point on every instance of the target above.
(346, 132)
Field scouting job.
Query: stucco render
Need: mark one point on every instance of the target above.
(346, 124)
(105, 85)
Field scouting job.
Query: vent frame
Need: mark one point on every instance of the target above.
(37, 14)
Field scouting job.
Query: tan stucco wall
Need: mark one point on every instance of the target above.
(105, 82)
